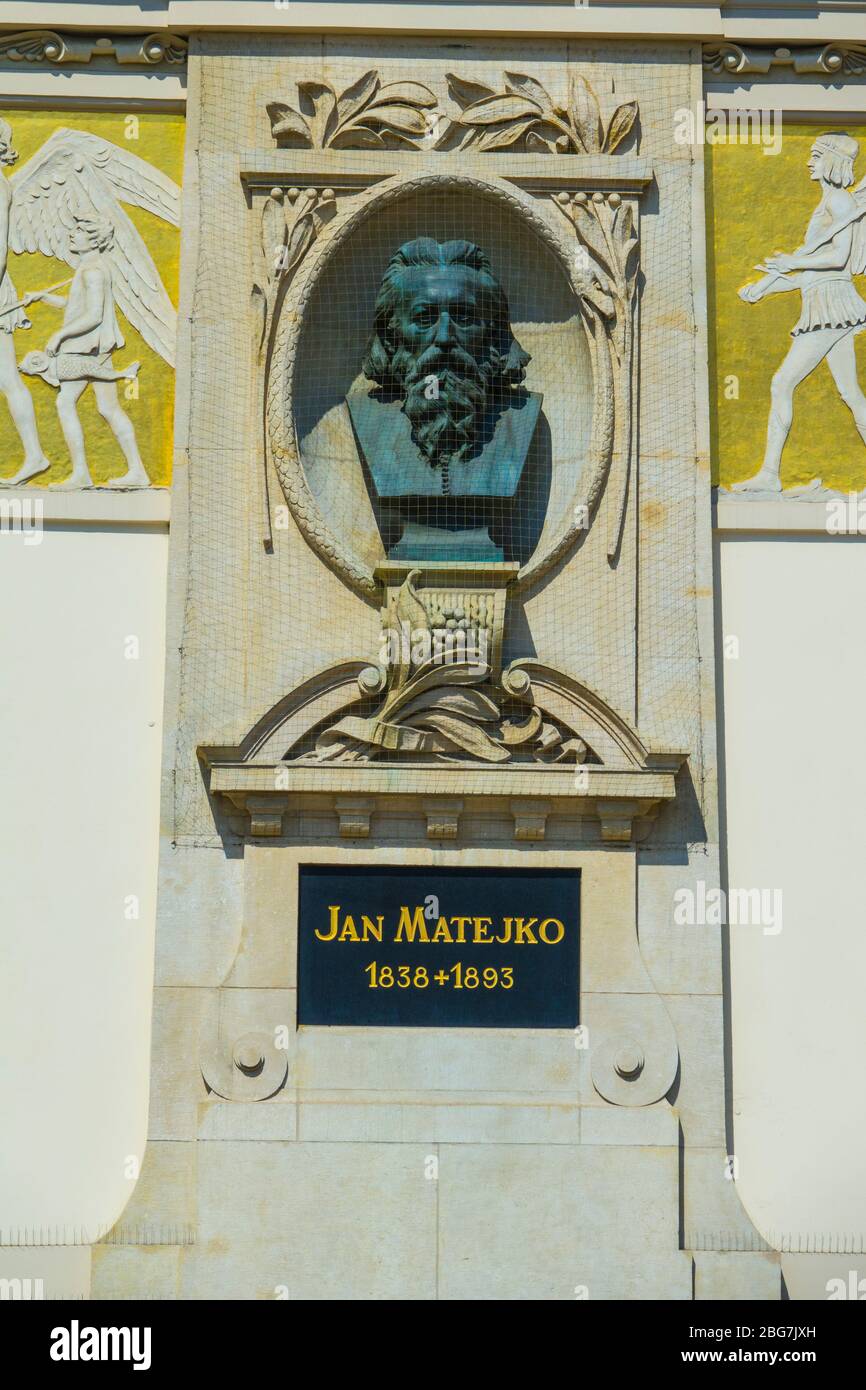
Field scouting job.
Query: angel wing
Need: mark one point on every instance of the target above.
(76, 174)
(856, 219)
(858, 243)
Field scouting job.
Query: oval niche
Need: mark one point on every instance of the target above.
(318, 356)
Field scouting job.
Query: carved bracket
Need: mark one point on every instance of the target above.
(530, 803)
(833, 59)
(137, 50)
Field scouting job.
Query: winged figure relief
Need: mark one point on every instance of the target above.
(65, 203)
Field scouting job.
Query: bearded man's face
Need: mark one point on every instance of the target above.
(443, 357)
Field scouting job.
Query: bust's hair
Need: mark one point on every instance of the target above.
(99, 230)
(839, 151)
(425, 251)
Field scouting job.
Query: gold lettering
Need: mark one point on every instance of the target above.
(482, 924)
(507, 923)
(349, 931)
(442, 932)
(559, 934)
(371, 928)
(329, 936)
(523, 931)
(460, 924)
(412, 926)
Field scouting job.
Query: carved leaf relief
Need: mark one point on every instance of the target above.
(366, 115)
(290, 224)
(523, 115)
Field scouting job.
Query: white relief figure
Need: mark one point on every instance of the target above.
(12, 316)
(65, 203)
(80, 353)
(832, 313)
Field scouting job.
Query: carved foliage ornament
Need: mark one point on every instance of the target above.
(441, 700)
(366, 115)
(290, 224)
(521, 116)
(608, 267)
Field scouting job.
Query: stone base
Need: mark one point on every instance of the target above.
(387, 1198)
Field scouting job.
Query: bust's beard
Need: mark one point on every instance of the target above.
(447, 425)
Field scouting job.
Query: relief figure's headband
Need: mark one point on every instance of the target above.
(839, 151)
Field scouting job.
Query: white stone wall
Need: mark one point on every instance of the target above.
(794, 768)
(79, 828)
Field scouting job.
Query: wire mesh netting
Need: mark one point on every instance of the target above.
(446, 327)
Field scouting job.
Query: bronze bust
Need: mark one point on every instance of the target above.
(445, 431)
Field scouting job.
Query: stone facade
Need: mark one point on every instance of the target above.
(343, 1162)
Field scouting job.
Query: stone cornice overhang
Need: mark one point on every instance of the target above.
(623, 802)
(791, 22)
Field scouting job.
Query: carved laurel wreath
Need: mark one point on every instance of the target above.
(606, 311)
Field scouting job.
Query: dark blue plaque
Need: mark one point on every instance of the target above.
(419, 947)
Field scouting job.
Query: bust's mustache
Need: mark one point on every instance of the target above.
(444, 421)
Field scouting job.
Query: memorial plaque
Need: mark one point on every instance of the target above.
(438, 947)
